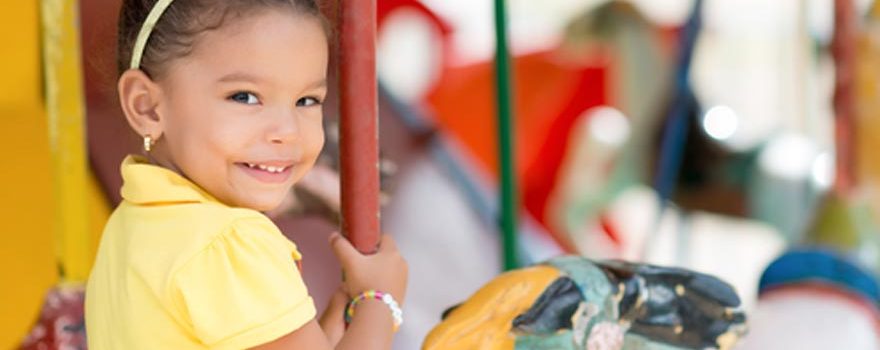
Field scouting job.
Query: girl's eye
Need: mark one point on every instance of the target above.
(307, 102)
(245, 98)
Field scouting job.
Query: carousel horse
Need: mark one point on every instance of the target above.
(575, 303)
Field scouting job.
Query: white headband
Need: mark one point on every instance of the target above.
(147, 29)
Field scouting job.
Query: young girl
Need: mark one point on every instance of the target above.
(227, 97)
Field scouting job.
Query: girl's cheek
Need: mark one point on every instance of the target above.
(316, 135)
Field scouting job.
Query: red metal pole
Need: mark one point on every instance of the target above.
(359, 134)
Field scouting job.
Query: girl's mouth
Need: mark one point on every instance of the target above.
(269, 173)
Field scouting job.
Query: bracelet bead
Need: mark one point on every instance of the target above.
(385, 298)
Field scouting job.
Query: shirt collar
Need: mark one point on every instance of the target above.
(145, 183)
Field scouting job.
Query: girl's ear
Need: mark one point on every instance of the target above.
(139, 97)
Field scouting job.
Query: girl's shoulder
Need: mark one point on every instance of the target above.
(245, 235)
(236, 231)
(163, 244)
(187, 228)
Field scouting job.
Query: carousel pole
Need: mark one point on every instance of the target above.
(504, 100)
(678, 120)
(359, 133)
(65, 108)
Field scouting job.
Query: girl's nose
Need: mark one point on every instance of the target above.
(284, 129)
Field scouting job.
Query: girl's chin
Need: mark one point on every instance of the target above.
(263, 204)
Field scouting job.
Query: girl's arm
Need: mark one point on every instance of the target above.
(372, 325)
(308, 336)
(332, 321)
(370, 329)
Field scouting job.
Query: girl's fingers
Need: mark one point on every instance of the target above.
(387, 243)
(342, 248)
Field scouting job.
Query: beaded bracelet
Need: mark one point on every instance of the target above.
(386, 298)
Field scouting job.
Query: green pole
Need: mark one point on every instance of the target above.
(504, 100)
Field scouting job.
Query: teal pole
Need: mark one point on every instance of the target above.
(503, 82)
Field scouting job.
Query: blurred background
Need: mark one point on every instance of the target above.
(725, 136)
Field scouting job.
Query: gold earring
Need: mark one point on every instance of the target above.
(148, 143)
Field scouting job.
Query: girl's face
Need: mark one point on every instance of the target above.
(241, 114)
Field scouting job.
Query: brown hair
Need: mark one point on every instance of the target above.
(175, 32)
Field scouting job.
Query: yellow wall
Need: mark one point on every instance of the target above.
(28, 259)
(27, 262)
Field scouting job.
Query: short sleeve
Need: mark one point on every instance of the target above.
(244, 289)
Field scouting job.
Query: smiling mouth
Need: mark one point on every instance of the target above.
(276, 173)
(267, 168)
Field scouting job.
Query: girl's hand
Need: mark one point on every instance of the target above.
(384, 271)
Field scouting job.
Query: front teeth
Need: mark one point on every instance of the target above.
(271, 169)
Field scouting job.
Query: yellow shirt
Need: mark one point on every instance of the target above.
(176, 269)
